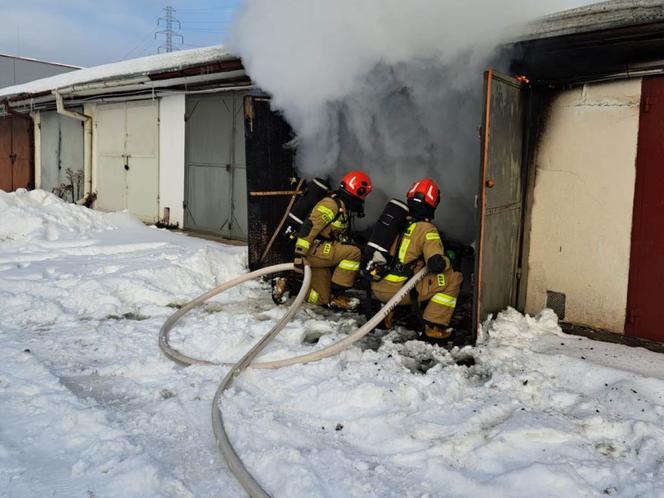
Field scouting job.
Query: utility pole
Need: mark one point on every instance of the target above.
(170, 33)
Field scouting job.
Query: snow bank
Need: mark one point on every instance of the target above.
(91, 408)
(40, 215)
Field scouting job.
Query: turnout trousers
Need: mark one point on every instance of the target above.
(331, 262)
(440, 290)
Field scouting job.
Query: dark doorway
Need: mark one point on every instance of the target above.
(271, 181)
(645, 313)
(16, 153)
(500, 203)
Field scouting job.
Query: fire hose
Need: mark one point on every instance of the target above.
(237, 468)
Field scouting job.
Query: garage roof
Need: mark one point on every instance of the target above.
(151, 66)
(596, 17)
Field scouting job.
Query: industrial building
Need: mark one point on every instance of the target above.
(15, 70)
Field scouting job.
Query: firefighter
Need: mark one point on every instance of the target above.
(419, 245)
(324, 243)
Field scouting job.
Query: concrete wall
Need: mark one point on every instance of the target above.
(171, 157)
(583, 201)
(14, 71)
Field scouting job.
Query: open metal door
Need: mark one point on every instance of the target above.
(270, 181)
(500, 197)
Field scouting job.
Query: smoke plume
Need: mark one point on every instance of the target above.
(392, 87)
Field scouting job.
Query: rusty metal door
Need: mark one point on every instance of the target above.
(270, 175)
(16, 153)
(645, 313)
(23, 153)
(6, 165)
(500, 200)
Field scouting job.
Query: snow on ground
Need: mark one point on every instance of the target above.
(89, 406)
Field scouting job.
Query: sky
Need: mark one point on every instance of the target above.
(91, 32)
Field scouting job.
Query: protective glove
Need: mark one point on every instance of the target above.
(300, 262)
(452, 256)
(376, 267)
(438, 263)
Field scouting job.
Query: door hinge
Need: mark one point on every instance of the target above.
(519, 273)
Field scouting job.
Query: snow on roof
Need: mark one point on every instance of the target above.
(143, 66)
(597, 16)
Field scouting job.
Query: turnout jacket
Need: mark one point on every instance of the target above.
(328, 220)
(420, 241)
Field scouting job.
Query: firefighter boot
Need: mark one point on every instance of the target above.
(344, 303)
(437, 333)
(279, 290)
(388, 321)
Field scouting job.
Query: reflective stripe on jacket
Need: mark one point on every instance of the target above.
(328, 220)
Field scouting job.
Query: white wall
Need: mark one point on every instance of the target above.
(583, 202)
(171, 157)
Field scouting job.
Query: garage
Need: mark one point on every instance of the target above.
(61, 154)
(16, 153)
(215, 165)
(127, 158)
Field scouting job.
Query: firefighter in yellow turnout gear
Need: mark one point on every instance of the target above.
(323, 243)
(421, 245)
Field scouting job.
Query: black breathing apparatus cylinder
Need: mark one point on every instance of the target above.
(388, 228)
(315, 191)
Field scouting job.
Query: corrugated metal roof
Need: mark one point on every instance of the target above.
(144, 66)
(597, 17)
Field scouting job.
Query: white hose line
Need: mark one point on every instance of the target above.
(331, 350)
(347, 341)
(244, 477)
(235, 465)
(183, 359)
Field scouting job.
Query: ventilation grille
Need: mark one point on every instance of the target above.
(556, 301)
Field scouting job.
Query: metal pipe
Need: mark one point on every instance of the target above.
(87, 132)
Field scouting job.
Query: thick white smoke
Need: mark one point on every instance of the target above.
(393, 87)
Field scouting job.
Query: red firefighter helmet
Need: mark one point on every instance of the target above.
(357, 184)
(425, 191)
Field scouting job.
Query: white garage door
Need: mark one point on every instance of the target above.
(128, 158)
(62, 150)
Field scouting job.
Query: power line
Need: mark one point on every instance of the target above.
(170, 33)
(139, 45)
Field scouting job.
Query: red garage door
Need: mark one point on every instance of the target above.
(645, 311)
(16, 153)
